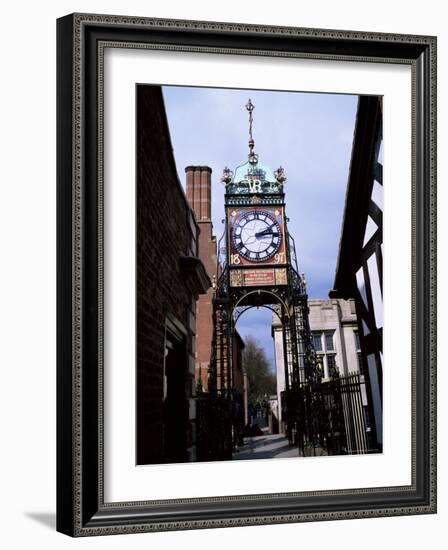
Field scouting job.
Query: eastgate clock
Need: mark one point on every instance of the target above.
(256, 235)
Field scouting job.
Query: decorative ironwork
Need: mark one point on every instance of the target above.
(252, 177)
(253, 158)
(240, 200)
(239, 310)
(303, 373)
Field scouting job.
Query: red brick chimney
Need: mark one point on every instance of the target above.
(199, 195)
(199, 191)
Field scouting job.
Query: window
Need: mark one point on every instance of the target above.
(317, 341)
(331, 362)
(360, 363)
(323, 343)
(329, 341)
(358, 352)
(357, 341)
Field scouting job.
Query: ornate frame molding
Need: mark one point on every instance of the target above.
(81, 42)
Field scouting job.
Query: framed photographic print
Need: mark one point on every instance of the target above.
(246, 274)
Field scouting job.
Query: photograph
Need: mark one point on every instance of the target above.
(259, 274)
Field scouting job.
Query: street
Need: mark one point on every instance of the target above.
(265, 446)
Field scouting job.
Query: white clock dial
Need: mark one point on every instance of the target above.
(257, 235)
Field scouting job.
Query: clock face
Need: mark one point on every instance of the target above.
(256, 235)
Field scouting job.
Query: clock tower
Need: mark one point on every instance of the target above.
(256, 237)
(257, 267)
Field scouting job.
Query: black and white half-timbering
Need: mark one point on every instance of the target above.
(359, 265)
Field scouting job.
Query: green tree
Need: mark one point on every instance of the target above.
(261, 381)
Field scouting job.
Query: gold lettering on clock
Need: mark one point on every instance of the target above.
(235, 259)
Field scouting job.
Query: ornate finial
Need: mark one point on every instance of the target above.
(280, 175)
(227, 175)
(253, 158)
(250, 107)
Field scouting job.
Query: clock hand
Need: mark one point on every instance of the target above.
(263, 233)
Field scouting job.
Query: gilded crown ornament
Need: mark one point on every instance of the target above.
(227, 175)
(280, 175)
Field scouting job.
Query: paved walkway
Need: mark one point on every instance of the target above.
(265, 446)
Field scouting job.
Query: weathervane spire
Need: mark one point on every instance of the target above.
(252, 156)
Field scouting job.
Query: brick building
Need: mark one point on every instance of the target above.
(198, 180)
(199, 194)
(170, 277)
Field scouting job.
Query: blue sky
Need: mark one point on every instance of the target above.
(310, 135)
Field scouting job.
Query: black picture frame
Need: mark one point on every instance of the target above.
(81, 510)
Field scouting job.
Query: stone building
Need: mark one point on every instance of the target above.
(334, 330)
(170, 277)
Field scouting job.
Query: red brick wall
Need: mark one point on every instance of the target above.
(198, 179)
(163, 235)
(199, 196)
(204, 308)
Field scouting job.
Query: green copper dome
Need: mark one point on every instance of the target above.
(253, 177)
